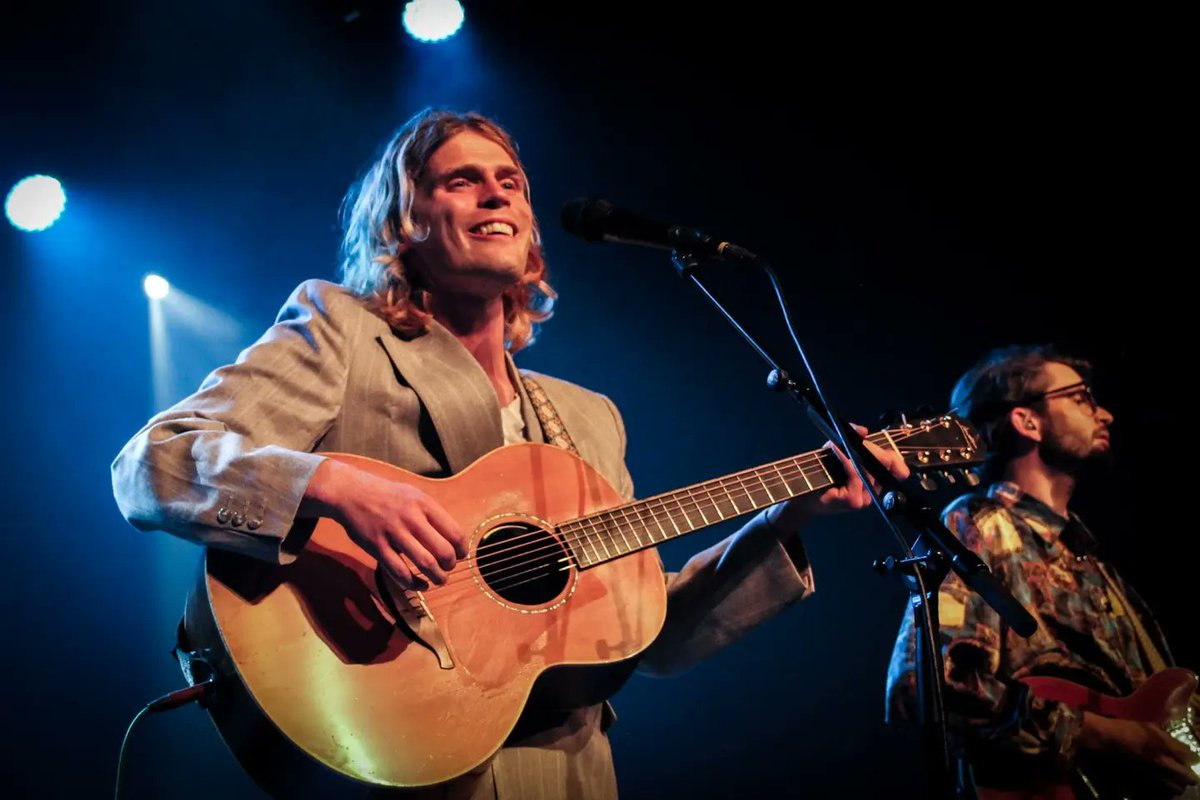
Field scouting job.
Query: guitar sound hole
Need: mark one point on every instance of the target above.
(523, 564)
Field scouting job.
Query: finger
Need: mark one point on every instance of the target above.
(447, 527)
(437, 544)
(396, 568)
(850, 494)
(1176, 770)
(424, 561)
(1182, 753)
(890, 459)
(857, 493)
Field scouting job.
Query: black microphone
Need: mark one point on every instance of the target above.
(598, 220)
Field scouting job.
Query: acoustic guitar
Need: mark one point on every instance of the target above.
(324, 662)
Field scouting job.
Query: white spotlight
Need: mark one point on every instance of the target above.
(35, 203)
(156, 286)
(432, 20)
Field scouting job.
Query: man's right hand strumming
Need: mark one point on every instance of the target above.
(1149, 752)
(397, 524)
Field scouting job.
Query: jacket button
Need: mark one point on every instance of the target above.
(238, 519)
(223, 515)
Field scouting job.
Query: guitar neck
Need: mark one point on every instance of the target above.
(616, 532)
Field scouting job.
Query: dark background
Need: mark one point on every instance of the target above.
(929, 187)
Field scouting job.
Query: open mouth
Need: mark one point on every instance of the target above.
(493, 230)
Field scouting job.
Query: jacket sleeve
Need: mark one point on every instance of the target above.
(722, 592)
(228, 466)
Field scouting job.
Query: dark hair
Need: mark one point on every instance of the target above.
(997, 384)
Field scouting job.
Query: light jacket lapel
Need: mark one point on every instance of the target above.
(454, 390)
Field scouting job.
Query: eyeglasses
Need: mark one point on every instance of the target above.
(1079, 391)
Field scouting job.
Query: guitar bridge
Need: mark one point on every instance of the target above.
(409, 609)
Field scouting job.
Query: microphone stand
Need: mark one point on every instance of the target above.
(935, 551)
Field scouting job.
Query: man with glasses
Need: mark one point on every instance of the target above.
(1045, 431)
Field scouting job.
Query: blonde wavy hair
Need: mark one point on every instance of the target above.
(377, 222)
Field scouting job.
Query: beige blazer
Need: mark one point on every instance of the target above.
(227, 467)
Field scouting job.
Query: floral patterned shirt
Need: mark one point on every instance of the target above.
(1084, 634)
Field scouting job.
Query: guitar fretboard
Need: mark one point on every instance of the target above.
(616, 532)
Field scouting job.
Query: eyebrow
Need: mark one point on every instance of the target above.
(502, 171)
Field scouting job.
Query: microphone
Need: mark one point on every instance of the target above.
(597, 220)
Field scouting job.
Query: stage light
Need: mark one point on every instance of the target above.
(35, 203)
(432, 20)
(156, 286)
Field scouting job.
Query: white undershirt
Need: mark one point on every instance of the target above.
(513, 422)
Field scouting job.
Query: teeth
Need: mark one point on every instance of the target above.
(495, 227)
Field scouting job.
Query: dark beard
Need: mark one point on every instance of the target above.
(1097, 463)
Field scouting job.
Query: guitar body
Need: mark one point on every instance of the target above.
(330, 672)
(1162, 700)
(1166, 699)
(328, 665)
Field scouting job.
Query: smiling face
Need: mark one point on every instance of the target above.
(473, 201)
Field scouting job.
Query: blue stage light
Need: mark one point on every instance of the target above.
(35, 203)
(156, 286)
(432, 20)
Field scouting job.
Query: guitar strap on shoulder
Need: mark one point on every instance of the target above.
(1083, 534)
(1155, 659)
(547, 414)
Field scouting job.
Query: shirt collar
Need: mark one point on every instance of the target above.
(1041, 519)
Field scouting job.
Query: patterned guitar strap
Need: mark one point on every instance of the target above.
(1089, 544)
(1153, 656)
(552, 425)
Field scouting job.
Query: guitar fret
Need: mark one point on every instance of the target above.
(617, 523)
(605, 535)
(804, 474)
(658, 522)
(699, 509)
(639, 522)
(583, 538)
(783, 478)
(671, 519)
(678, 514)
(716, 503)
(767, 489)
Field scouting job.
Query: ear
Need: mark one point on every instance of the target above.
(1026, 423)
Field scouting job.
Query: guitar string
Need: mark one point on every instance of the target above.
(504, 579)
(579, 533)
(814, 458)
(459, 575)
(652, 507)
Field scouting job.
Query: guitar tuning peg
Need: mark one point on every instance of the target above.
(972, 478)
(947, 476)
(928, 483)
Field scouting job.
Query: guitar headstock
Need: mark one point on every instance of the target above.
(944, 446)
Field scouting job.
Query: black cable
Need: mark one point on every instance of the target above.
(931, 642)
(168, 701)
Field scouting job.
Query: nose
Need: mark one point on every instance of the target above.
(492, 194)
(1104, 415)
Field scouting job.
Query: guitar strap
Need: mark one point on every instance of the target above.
(552, 425)
(1155, 659)
(1087, 542)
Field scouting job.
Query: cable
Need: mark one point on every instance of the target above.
(168, 701)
